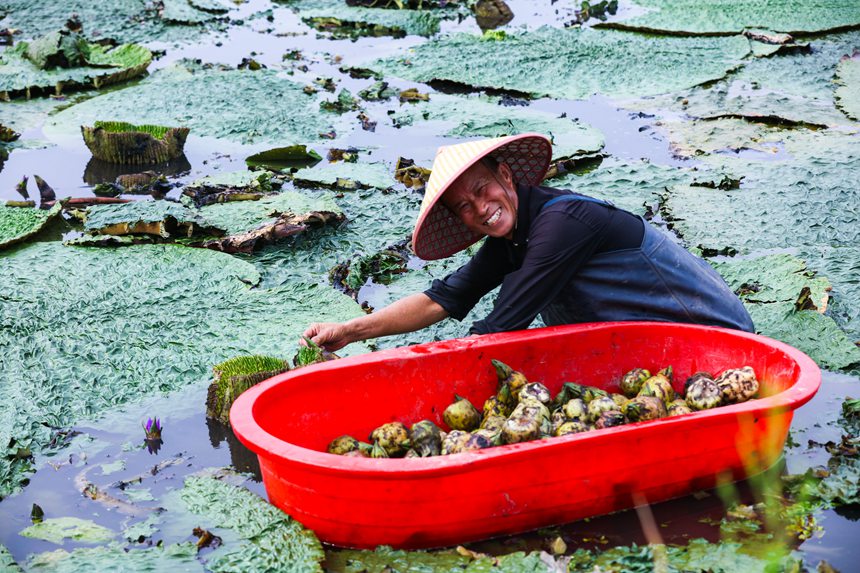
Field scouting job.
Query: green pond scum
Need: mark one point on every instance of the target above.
(748, 153)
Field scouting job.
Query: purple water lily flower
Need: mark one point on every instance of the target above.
(153, 429)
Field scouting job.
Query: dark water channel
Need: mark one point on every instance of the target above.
(192, 443)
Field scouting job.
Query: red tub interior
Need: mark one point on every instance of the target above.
(289, 420)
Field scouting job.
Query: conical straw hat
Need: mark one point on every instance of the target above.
(438, 232)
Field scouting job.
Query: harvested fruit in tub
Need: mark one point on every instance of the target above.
(523, 411)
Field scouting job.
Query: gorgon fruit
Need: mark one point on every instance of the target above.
(462, 415)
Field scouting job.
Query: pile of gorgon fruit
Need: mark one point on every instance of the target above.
(521, 411)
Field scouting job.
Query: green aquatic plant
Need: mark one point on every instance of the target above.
(848, 86)
(128, 144)
(770, 287)
(270, 539)
(164, 219)
(64, 61)
(332, 17)
(230, 186)
(58, 529)
(233, 377)
(466, 117)
(154, 341)
(17, 224)
(571, 64)
(275, 109)
(734, 16)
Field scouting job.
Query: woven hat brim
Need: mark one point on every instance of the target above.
(439, 233)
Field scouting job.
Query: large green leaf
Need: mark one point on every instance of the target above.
(57, 529)
(19, 223)
(486, 117)
(633, 186)
(101, 216)
(7, 564)
(797, 87)
(122, 20)
(272, 540)
(571, 64)
(842, 266)
(181, 557)
(329, 14)
(345, 175)
(242, 216)
(806, 201)
(79, 344)
(273, 109)
(734, 16)
(770, 287)
(848, 92)
(18, 75)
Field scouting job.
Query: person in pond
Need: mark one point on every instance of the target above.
(568, 257)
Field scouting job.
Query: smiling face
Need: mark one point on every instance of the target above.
(486, 202)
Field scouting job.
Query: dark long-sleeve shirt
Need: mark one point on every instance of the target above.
(547, 249)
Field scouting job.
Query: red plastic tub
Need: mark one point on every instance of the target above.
(446, 500)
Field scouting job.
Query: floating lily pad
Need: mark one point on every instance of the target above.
(571, 64)
(485, 117)
(113, 467)
(78, 345)
(387, 559)
(284, 157)
(229, 186)
(185, 12)
(795, 88)
(18, 224)
(349, 21)
(272, 540)
(770, 287)
(121, 20)
(20, 76)
(273, 109)
(142, 529)
(695, 138)
(734, 16)
(58, 529)
(848, 92)
(114, 557)
(243, 216)
(159, 218)
(841, 265)
(632, 186)
(780, 203)
(347, 176)
(7, 564)
(139, 494)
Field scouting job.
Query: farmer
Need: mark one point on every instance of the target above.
(565, 256)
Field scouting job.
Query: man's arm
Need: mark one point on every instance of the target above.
(413, 312)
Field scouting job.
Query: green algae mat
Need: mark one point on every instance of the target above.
(273, 109)
(570, 64)
(78, 345)
(709, 17)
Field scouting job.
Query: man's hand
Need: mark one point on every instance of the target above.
(331, 336)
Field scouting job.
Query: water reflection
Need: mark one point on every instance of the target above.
(98, 171)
